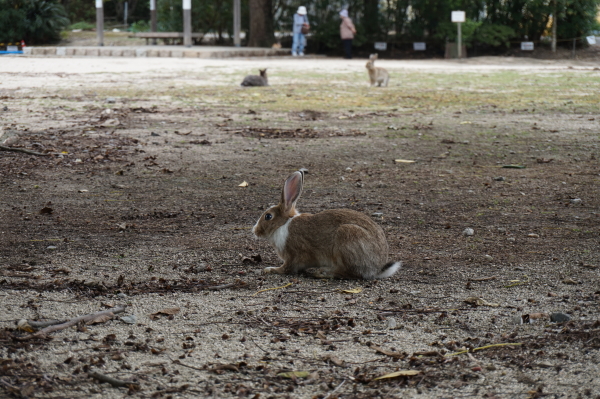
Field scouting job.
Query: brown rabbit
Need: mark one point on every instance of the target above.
(338, 243)
(256, 80)
(378, 76)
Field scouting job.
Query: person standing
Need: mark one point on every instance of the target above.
(347, 32)
(300, 28)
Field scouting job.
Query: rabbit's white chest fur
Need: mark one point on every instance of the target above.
(280, 236)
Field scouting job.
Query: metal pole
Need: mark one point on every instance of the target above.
(126, 6)
(153, 19)
(99, 23)
(554, 21)
(237, 23)
(459, 42)
(187, 23)
(574, 43)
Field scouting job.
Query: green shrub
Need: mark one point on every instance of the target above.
(448, 31)
(494, 35)
(35, 21)
(82, 25)
(140, 26)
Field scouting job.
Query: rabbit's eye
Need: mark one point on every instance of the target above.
(268, 216)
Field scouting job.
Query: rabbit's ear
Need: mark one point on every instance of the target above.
(292, 189)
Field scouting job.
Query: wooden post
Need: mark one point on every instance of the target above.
(153, 19)
(459, 49)
(99, 22)
(237, 23)
(187, 23)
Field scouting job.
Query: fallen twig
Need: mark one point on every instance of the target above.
(517, 282)
(386, 352)
(221, 287)
(481, 348)
(483, 278)
(74, 321)
(4, 148)
(176, 361)
(42, 324)
(275, 288)
(336, 388)
(113, 381)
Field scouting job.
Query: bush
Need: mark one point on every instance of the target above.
(494, 35)
(82, 25)
(35, 21)
(140, 26)
(448, 31)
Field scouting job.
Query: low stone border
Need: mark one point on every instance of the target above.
(150, 52)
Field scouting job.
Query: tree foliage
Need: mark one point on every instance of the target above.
(35, 21)
(490, 23)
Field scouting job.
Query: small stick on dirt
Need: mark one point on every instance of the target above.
(275, 288)
(221, 287)
(113, 381)
(483, 278)
(176, 361)
(482, 347)
(257, 345)
(42, 324)
(334, 391)
(73, 322)
(3, 148)
(386, 352)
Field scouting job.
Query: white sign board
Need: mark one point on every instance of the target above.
(526, 46)
(12, 48)
(591, 39)
(458, 16)
(381, 46)
(152, 5)
(98, 3)
(187, 4)
(419, 46)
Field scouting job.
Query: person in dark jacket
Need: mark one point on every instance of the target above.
(347, 32)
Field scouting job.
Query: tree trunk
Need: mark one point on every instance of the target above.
(371, 19)
(261, 24)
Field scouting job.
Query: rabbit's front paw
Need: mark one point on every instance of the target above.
(270, 270)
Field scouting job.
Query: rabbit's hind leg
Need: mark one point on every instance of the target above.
(355, 254)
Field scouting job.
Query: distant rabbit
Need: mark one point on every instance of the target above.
(378, 76)
(337, 243)
(255, 80)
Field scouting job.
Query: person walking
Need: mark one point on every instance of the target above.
(347, 32)
(300, 28)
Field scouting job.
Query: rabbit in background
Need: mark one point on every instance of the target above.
(256, 80)
(338, 243)
(378, 76)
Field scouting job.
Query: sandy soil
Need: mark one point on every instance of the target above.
(138, 202)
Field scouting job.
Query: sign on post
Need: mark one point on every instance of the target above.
(591, 40)
(381, 46)
(526, 46)
(99, 23)
(459, 17)
(419, 46)
(187, 23)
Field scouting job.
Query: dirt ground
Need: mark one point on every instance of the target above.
(138, 200)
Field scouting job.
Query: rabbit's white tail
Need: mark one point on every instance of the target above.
(389, 269)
